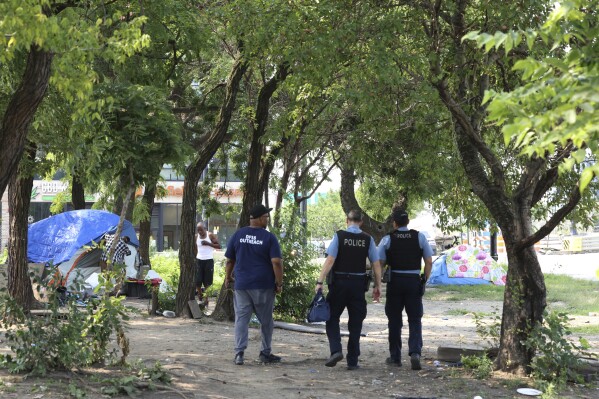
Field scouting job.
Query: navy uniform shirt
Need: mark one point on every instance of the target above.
(427, 251)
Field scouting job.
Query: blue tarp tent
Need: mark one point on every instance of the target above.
(57, 238)
(439, 275)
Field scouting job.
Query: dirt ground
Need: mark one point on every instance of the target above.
(199, 356)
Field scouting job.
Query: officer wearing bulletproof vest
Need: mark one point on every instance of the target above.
(347, 282)
(403, 249)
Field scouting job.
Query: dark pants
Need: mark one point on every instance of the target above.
(204, 273)
(346, 293)
(404, 292)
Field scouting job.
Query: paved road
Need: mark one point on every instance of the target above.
(584, 266)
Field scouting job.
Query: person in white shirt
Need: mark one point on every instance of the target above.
(206, 243)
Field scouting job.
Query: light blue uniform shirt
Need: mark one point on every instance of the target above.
(333, 248)
(385, 243)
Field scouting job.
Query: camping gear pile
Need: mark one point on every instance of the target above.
(67, 244)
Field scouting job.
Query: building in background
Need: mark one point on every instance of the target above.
(166, 214)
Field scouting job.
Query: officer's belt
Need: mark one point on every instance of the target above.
(350, 276)
(401, 273)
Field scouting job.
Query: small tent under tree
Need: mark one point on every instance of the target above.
(466, 265)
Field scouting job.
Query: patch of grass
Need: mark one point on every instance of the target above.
(574, 296)
(589, 329)
(488, 292)
(457, 381)
(457, 312)
(513, 383)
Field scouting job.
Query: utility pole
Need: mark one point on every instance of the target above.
(304, 218)
(494, 254)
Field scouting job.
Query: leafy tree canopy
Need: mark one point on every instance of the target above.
(325, 216)
(557, 103)
(77, 34)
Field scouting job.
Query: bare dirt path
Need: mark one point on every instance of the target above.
(199, 355)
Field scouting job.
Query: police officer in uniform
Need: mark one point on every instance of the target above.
(403, 249)
(346, 261)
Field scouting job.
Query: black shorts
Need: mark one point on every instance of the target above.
(204, 272)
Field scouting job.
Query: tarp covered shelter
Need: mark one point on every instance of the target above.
(70, 240)
(466, 265)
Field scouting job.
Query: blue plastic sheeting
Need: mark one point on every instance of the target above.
(57, 238)
(439, 275)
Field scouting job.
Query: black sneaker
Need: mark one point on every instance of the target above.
(393, 361)
(353, 366)
(335, 357)
(270, 358)
(415, 360)
(239, 359)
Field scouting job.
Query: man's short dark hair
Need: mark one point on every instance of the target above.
(126, 239)
(400, 216)
(355, 215)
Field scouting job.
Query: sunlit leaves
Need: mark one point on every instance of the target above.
(75, 40)
(558, 100)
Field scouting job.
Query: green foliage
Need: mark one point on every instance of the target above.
(4, 256)
(489, 330)
(300, 274)
(167, 266)
(75, 391)
(379, 195)
(481, 367)
(218, 279)
(130, 385)
(62, 340)
(326, 216)
(76, 35)
(133, 136)
(155, 374)
(556, 356)
(556, 106)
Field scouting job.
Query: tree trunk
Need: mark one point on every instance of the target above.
(280, 194)
(124, 200)
(145, 230)
(209, 145)
(77, 193)
(348, 202)
(258, 173)
(461, 80)
(20, 112)
(224, 305)
(19, 197)
(123, 212)
(252, 192)
(523, 306)
(186, 289)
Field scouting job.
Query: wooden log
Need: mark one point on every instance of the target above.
(306, 329)
(454, 354)
(154, 306)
